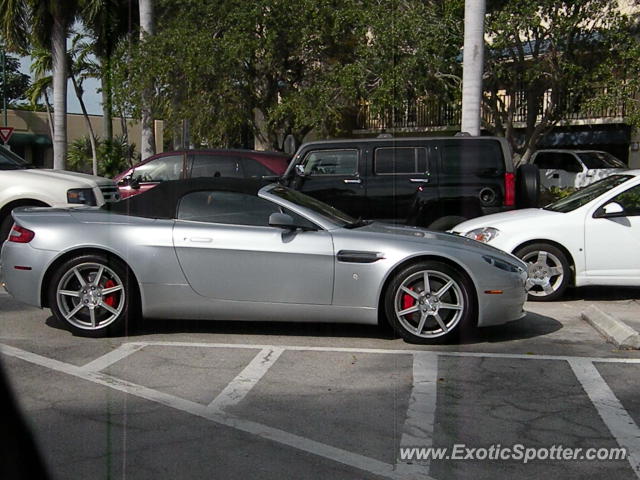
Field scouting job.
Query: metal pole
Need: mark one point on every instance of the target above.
(473, 65)
(4, 85)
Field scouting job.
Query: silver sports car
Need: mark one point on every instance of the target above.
(233, 249)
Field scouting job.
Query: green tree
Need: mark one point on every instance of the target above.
(548, 59)
(44, 23)
(17, 82)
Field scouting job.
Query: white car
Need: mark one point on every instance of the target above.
(22, 186)
(591, 237)
(574, 168)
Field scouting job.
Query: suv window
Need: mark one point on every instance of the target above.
(557, 161)
(331, 162)
(214, 166)
(630, 201)
(253, 168)
(159, 169)
(390, 161)
(481, 157)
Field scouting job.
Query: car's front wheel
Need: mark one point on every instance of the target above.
(429, 302)
(92, 295)
(548, 269)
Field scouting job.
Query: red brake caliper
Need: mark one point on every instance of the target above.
(407, 301)
(111, 298)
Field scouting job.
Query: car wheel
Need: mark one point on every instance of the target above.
(429, 302)
(527, 186)
(549, 271)
(92, 295)
(445, 223)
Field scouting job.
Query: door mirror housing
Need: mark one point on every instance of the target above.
(299, 169)
(610, 210)
(282, 220)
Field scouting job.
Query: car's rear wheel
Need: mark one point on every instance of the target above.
(445, 223)
(5, 227)
(92, 295)
(429, 302)
(549, 271)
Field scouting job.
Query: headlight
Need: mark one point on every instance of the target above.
(81, 195)
(501, 264)
(483, 235)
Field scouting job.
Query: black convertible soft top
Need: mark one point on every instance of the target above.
(162, 200)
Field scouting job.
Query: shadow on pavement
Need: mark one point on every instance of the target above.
(533, 325)
(602, 293)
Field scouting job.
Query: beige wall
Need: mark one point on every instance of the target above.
(26, 121)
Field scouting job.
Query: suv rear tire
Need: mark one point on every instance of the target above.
(527, 186)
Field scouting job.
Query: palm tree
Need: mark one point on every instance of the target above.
(107, 22)
(473, 64)
(41, 70)
(44, 23)
(147, 141)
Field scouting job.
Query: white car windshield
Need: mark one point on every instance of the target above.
(11, 161)
(585, 195)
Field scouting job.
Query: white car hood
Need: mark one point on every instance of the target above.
(513, 220)
(73, 176)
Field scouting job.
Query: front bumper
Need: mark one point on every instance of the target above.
(496, 309)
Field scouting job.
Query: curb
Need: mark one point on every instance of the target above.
(614, 330)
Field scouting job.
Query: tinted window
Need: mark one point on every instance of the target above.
(215, 166)
(630, 201)
(587, 194)
(226, 207)
(159, 170)
(254, 169)
(10, 161)
(557, 161)
(545, 161)
(331, 162)
(600, 160)
(481, 158)
(400, 160)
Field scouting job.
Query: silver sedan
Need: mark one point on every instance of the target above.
(230, 249)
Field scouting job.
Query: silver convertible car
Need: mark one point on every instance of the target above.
(231, 249)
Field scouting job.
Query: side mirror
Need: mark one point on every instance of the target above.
(300, 170)
(282, 220)
(134, 183)
(610, 210)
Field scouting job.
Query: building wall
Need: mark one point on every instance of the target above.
(30, 122)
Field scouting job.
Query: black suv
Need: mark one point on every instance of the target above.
(434, 182)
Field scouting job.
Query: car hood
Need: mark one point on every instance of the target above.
(419, 236)
(62, 176)
(511, 219)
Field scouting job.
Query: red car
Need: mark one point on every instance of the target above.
(181, 164)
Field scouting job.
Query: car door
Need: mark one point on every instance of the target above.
(334, 176)
(395, 175)
(228, 251)
(548, 166)
(571, 172)
(612, 244)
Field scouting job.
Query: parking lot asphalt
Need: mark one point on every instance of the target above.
(198, 400)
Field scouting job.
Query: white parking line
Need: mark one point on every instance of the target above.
(120, 353)
(329, 452)
(418, 426)
(615, 417)
(246, 379)
(385, 351)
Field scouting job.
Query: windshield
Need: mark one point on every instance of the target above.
(327, 211)
(585, 195)
(11, 161)
(600, 160)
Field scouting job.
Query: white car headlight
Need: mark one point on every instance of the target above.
(484, 235)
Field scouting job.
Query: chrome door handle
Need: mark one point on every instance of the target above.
(201, 239)
(419, 180)
(354, 180)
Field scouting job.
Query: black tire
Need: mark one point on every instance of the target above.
(5, 227)
(88, 297)
(445, 223)
(527, 186)
(545, 283)
(428, 303)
